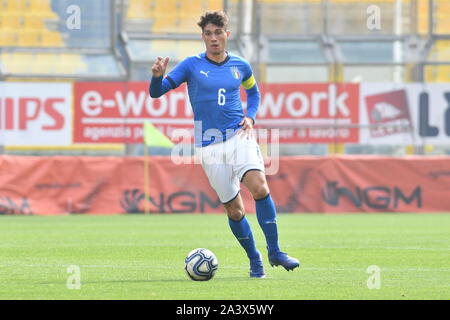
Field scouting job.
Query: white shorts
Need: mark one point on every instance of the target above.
(226, 163)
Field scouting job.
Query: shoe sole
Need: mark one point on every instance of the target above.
(288, 269)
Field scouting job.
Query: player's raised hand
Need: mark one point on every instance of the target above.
(159, 67)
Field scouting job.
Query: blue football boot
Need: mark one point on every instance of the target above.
(282, 259)
(257, 268)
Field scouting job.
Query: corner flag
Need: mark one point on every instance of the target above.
(155, 138)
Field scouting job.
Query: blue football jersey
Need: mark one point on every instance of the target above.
(214, 93)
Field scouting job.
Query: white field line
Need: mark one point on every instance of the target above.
(146, 267)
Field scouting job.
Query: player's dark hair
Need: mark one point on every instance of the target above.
(217, 18)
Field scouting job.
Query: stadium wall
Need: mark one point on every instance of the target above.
(115, 185)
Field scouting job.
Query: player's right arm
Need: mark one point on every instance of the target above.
(160, 85)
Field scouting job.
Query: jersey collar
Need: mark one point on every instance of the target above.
(216, 63)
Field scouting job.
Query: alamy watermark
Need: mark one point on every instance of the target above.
(373, 21)
(232, 148)
(74, 280)
(374, 280)
(73, 21)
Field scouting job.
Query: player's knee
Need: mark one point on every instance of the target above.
(235, 214)
(260, 191)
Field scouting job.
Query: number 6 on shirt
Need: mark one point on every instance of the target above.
(221, 97)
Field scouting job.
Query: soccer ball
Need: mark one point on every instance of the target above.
(201, 264)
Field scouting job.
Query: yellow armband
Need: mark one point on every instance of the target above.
(249, 83)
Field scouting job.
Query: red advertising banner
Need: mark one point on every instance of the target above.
(114, 112)
(306, 113)
(311, 112)
(114, 185)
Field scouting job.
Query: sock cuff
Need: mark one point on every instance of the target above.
(243, 217)
(262, 199)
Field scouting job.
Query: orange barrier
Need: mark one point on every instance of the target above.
(114, 185)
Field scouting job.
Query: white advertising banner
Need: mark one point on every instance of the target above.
(409, 113)
(35, 114)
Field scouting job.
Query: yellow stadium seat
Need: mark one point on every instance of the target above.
(164, 47)
(45, 60)
(40, 5)
(16, 5)
(189, 48)
(442, 16)
(214, 5)
(34, 22)
(19, 62)
(42, 63)
(422, 16)
(290, 1)
(188, 27)
(11, 20)
(440, 51)
(167, 7)
(188, 24)
(165, 23)
(42, 8)
(439, 73)
(8, 38)
(70, 63)
(29, 38)
(140, 10)
(193, 7)
(52, 39)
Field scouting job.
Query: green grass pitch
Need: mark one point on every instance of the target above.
(142, 257)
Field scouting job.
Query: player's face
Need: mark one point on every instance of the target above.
(215, 39)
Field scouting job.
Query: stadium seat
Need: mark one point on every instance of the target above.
(8, 38)
(298, 1)
(70, 63)
(214, 5)
(10, 20)
(42, 63)
(437, 73)
(166, 16)
(189, 48)
(45, 63)
(166, 6)
(40, 5)
(190, 13)
(138, 9)
(15, 5)
(164, 47)
(440, 52)
(442, 16)
(165, 24)
(16, 62)
(23, 24)
(34, 22)
(422, 17)
(188, 24)
(29, 38)
(52, 39)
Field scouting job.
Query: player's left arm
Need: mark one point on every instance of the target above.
(253, 97)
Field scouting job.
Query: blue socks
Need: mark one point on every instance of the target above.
(266, 214)
(243, 233)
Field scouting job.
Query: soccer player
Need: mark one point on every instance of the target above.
(223, 133)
